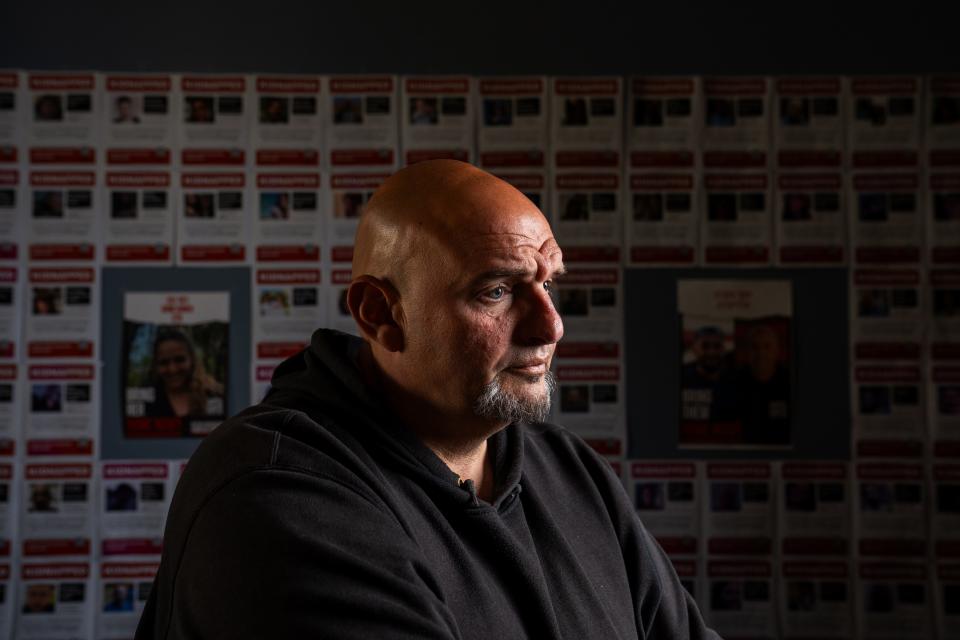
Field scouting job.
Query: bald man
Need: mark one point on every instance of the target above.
(403, 484)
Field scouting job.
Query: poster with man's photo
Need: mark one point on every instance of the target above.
(735, 363)
(175, 355)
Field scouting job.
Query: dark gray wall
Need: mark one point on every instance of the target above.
(668, 36)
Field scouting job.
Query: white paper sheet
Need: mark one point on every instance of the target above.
(134, 499)
(122, 592)
(890, 513)
(214, 218)
(740, 597)
(63, 316)
(666, 495)
(816, 598)
(289, 220)
(64, 223)
(289, 304)
(884, 113)
(289, 112)
(662, 215)
(739, 508)
(140, 118)
(942, 206)
(55, 601)
(814, 510)
(894, 600)
(59, 508)
(886, 314)
(437, 118)
(139, 219)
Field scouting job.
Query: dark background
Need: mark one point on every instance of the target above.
(594, 37)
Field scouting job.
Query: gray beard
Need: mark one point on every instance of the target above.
(497, 404)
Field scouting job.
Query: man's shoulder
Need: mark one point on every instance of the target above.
(266, 438)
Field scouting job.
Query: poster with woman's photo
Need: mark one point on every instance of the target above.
(64, 110)
(175, 353)
(288, 305)
(64, 312)
(735, 363)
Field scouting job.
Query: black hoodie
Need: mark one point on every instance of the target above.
(315, 514)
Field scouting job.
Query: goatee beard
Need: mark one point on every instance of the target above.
(496, 403)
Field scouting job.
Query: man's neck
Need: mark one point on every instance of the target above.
(472, 465)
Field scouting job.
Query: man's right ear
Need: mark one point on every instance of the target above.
(372, 303)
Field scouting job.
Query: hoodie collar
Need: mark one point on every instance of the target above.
(326, 376)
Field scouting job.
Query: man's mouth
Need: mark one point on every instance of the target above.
(529, 368)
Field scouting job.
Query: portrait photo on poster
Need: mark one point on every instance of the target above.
(736, 363)
(175, 363)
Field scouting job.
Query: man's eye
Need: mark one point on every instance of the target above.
(497, 292)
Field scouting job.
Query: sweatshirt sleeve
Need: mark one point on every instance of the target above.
(284, 554)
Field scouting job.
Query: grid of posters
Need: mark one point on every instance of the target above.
(663, 143)
(273, 171)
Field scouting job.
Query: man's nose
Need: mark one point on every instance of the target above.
(540, 324)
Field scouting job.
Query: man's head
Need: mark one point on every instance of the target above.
(709, 349)
(763, 353)
(124, 107)
(452, 273)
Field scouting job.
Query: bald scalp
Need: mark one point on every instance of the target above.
(426, 210)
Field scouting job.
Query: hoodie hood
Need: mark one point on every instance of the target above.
(325, 382)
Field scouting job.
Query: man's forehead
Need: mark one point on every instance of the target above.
(514, 250)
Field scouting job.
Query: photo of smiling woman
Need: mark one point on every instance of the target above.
(181, 386)
(175, 372)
